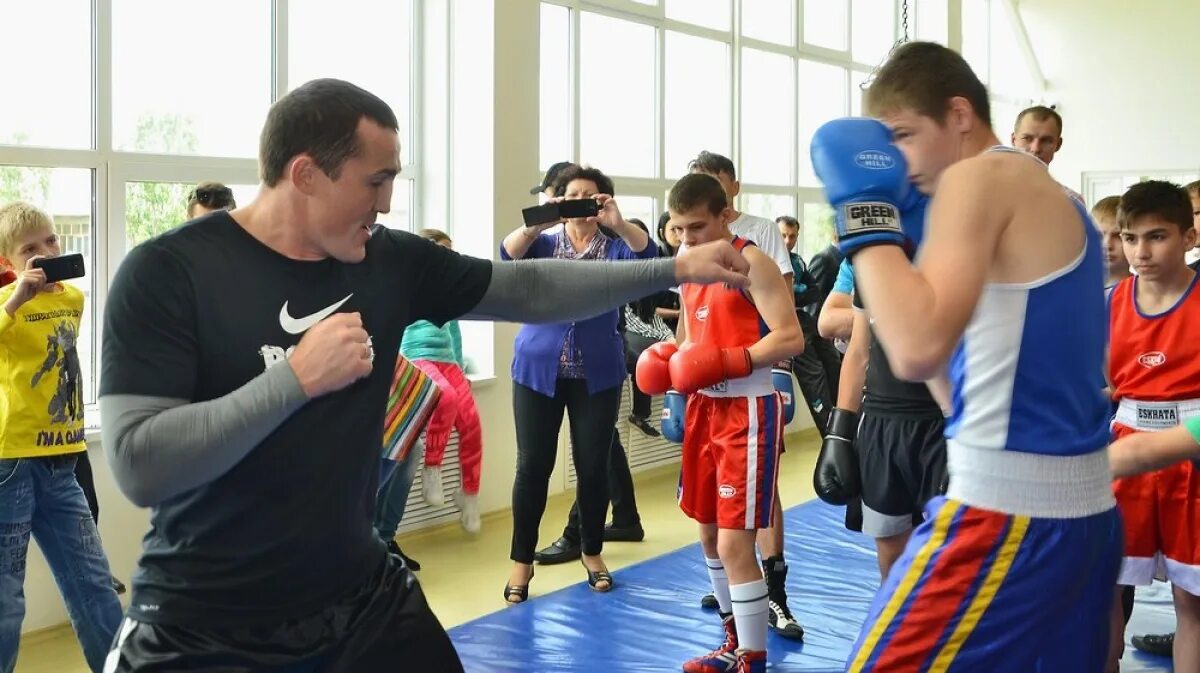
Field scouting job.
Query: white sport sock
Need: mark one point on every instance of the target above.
(720, 583)
(750, 614)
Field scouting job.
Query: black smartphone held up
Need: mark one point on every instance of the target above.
(578, 208)
(535, 215)
(62, 267)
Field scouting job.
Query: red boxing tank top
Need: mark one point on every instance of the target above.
(725, 317)
(1154, 358)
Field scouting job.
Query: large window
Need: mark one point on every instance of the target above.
(110, 129)
(749, 79)
(769, 20)
(638, 88)
(554, 83)
(830, 103)
(333, 40)
(616, 95)
(825, 23)
(932, 20)
(993, 39)
(713, 14)
(165, 100)
(47, 57)
(695, 118)
(768, 117)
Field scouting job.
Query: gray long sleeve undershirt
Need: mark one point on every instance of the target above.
(161, 447)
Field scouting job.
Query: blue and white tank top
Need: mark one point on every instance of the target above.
(1024, 374)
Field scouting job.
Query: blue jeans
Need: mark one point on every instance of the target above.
(40, 496)
(395, 482)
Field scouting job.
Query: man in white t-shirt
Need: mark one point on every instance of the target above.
(764, 234)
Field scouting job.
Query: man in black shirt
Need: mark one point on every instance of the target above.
(247, 358)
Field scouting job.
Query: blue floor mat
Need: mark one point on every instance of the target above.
(653, 622)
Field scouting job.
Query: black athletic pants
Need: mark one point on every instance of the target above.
(386, 625)
(817, 371)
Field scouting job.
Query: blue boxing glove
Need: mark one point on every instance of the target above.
(674, 405)
(781, 377)
(866, 182)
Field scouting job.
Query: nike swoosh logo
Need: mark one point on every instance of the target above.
(300, 325)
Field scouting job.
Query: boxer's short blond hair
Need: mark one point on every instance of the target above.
(1106, 208)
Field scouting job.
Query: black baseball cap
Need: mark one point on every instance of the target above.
(552, 174)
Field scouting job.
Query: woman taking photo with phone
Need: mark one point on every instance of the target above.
(573, 367)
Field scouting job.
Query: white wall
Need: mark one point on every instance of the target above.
(1124, 76)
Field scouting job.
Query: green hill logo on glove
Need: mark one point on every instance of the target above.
(875, 160)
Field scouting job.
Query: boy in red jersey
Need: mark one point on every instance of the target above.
(728, 339)
(1153, 360)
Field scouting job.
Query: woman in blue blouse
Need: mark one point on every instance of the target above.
(573, 367)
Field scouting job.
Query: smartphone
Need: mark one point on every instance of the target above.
(62, 267)
(578, 208)
(535, 215)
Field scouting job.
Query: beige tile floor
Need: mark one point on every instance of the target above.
(464, 575)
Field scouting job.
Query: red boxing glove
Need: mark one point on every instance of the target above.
(652, 374)
(701, 366)
(7, 277)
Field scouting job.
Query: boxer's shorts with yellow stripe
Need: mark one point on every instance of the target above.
(983, 592)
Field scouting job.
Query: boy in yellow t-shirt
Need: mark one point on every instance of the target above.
(41, 436)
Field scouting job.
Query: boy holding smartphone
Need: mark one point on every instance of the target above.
(41, 437)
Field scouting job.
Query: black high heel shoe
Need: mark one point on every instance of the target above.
(595, 577)
(521, 593)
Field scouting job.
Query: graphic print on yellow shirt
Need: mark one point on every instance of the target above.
(41, 382)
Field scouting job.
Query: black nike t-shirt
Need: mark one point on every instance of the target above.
(197, 313)
(885, 394)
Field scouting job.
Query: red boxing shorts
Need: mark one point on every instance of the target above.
(731, 460)
(1160, 509)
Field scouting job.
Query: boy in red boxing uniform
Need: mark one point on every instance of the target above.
(729, 339)
(1152, 365)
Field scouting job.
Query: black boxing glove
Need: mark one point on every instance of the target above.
(836, 477)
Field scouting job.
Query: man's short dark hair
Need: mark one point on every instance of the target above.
(924, 76)
(711, 162)
(1040, 113)
(789, 221)
(697, 189)
(319, 118)
(1166, 200)
(604, 184)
